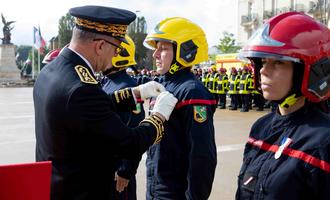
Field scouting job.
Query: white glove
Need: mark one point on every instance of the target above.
(150, 89)
(165, 104)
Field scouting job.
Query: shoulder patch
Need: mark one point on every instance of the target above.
(200, 114)
(84, 75)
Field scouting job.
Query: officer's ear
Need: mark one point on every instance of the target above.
(99, 46)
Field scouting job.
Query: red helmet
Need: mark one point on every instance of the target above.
(233, 70)
(246, 68)
(298, 38)
(51, 56)
(144, 71)
(222, 70)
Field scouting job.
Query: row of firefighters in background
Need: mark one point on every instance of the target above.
(239, 85)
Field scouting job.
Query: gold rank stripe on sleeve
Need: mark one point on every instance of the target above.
(158, 124)
(127, 93)
(84, 75)
(117, 97)
(122, 95)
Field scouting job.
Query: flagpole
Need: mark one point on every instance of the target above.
(38, 62)
(32, 62)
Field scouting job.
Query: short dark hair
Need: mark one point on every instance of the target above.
(82, 35)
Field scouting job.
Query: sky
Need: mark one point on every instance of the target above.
(214, 16)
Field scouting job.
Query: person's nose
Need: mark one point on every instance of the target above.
(155, 54)
(264, 69)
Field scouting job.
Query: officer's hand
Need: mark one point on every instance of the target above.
(150, 89)
(121, 184)
(165, 104)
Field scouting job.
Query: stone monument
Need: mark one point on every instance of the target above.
(8, 68)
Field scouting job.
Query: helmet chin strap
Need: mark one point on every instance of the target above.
(175, 66)
(288, 101)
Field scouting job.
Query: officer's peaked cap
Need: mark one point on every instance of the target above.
(103, 20)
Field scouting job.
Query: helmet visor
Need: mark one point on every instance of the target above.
(243, 55)
(261, 38)
(151, 43)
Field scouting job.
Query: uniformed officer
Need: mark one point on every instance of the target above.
(76, 124)
(222, 87)
(245, 88)
(116, 78)
(287, 154)
(205, 77)
(182, 165)
(213, 82)
(234, 80)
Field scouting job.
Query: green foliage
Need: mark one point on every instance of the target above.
(227, 43)
(22, 53)
(137, 30)
(65, 27)
(212, 57)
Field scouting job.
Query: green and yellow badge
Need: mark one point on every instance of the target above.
(138, 109)
(200, 114)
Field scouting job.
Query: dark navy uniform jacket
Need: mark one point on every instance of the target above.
(299, 170)
(78, 130)
(110, 84)
(182, 165)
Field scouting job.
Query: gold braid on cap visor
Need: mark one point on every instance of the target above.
(116, 30)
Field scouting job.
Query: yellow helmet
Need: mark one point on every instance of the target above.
(127, 56)
(213, 68)
(190, 40)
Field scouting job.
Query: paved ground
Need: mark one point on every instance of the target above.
(17, 141)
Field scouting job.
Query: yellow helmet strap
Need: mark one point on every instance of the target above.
(175, 65)
(174, 68)
(289, 101)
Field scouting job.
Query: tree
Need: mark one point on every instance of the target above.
(65, 27)
(22, 53)
(323, 7)
(227, 43)
(138, 32)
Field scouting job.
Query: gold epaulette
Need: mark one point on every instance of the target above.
(158, 124)
(84, 75)
(122, 95)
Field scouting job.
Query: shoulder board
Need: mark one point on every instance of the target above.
(84, 75)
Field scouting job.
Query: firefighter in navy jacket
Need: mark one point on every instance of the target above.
(114, 79)
(182, 165)
(287, 155)
(77, 127)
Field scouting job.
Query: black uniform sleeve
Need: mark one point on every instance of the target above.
(202, 155)
(92, 110)
(128, 168)
(123, 100)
